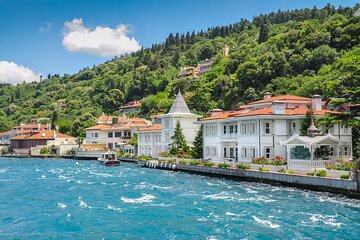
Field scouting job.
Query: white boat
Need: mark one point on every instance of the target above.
(109, 159)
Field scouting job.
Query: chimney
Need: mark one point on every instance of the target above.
(38, 126)
(267, 95)
(278, 107)
(216, 112)
(48, 126)
(316, 102)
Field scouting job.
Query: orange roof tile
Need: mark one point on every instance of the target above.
(98, 127)
(41, 135)
(219, 116)
(281, 98)
(152, 128)
(32, 125)
(266, 111)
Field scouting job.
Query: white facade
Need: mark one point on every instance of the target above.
(257, 130)
(96, 136)
(154, 140)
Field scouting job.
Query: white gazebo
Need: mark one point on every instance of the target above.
(311, 152)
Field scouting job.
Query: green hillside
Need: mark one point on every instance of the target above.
(301, 52)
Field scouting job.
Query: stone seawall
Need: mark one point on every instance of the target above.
(349, 187)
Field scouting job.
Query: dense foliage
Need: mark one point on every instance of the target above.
(302, 52)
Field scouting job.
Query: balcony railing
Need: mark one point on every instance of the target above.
(229, 136)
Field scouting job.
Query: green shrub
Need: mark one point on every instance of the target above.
(310, 173)
(223, 165)
(289, 172)
(208, 164)
(261, 160)
(321, 173)
(345, 176)
(44, 150)
(341, 165)
(183, 162)
(171, 161)
(144, 158)
(242, 166)
(264, 169)
(195, 162)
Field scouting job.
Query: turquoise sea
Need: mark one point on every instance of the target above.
(67, 199)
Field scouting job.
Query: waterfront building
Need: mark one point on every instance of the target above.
(22, 129)
(130, 107)
(157, 138)
(108, 120)
(114, 136)
(269, 128)
(23, 143)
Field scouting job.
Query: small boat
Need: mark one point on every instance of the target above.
(109, 159)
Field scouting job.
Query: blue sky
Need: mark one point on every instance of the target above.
(33, 31)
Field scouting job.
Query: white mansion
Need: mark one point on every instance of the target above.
(271, 127)
(157, 138)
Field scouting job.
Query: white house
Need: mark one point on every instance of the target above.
(96, 134)
(266, 128)
(157, 138)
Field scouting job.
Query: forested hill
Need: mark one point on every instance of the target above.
(302, 52)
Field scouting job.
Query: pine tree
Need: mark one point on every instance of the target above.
(179, 141)
(264, 33)
(197, 150)
(54, 119)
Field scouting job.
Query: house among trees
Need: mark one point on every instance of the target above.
(130, 107)
(195, 72)
(159, 137)
(22, 129)
(275, 126)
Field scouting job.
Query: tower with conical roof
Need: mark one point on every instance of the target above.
(179, 112)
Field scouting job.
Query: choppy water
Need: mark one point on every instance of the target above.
(66, 199)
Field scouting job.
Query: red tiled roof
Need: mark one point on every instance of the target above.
(41, 135)
(266, 111)
(131, 104)
(32, 125)
(98, 127)
(281, 98)
(152, 128)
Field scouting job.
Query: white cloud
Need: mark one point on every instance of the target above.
(100, 41)
(46, 27)
(13, 73)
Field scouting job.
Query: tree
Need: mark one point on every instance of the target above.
(178, 144)
(54, 119)
(207, 51)
(264, 33)
(84, 121)
(197, 150)
(134, 142)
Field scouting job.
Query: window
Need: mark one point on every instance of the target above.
(300, 152)
(346, 151)
(231, 152)
(224, 129)
(110, 135)
(117, 134)
(110, 145)
(231, 129)
(166, 124)
(268, 152)
(236, 128)
(247, 128)
(268, 127)
(96, 135)
(225, 152)
(167, 137)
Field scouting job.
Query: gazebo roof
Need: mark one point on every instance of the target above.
(179, 105)
(296, 139)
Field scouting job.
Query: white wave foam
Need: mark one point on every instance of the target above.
(266, 223)
(43, 176)
(146, 198)
(3, 170)
(232, 214)
(327, 219)
(77, 163)
(162, 204)
(150, 186)
(61, 205)
(83, 204)
(231, 197)
(114, 208)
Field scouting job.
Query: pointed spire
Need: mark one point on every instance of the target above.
(179, 105)
(312, 130)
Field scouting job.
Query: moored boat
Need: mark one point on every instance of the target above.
(109, 159)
